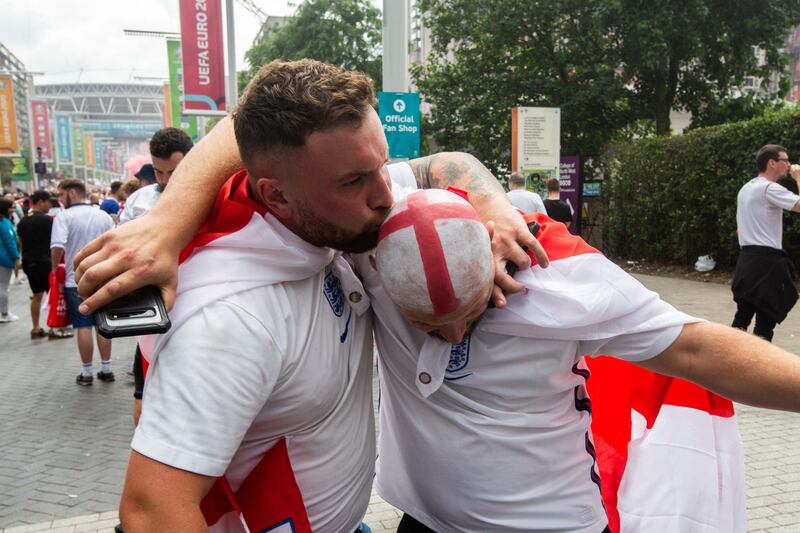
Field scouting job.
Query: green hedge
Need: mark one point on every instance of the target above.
(673, 199)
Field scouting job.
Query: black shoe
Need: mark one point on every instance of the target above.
(84, 380)
(105, 376)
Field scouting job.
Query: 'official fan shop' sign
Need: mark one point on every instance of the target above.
(203, 60)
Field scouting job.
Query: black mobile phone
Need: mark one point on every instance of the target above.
(534, 228)
(142, 312)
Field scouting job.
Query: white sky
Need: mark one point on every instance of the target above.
(61, 37)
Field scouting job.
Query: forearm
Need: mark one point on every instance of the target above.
(733, 364)
(55, 257)
(193, 187)
(140, 516)
(462, 171)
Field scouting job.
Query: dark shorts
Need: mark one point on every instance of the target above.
(38, 276)
(73, 301)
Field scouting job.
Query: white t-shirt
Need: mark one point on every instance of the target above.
(526, 201)
(502, 444)
(291, 360)
(74, 228)
(759, 212)
(140, 203)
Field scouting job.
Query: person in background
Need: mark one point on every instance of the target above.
(34, 236)
(9, 257)
(115, 197)
(168, 146)
(522, 199)
(73, 228)
(557, 209)
(763, 284)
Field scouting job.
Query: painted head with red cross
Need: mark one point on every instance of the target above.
(435, 262)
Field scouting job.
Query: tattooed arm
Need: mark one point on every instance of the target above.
(509, 232)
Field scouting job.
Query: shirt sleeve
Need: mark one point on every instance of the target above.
(206, 386)
(59, 234)
(633, 347)
(780, 196)
(404, 182)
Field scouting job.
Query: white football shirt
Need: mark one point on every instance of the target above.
(759, 212)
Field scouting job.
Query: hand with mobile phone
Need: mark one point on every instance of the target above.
(142, 312)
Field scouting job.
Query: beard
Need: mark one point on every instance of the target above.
(318, 231)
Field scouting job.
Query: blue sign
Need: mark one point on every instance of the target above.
(399, 114)
(64, 138)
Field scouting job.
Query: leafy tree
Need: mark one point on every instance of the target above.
(691, 54)
(736, 109)
(345, 33)
(491, 55)
(614, 67)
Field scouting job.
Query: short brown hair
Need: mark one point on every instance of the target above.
(767, 153)
(553, 185)
(287, 101)
(73, 183)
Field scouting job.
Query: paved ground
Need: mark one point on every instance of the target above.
(64, 448)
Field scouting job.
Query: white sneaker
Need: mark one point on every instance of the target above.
(9, 317)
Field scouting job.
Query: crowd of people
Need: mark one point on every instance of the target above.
(44, 230)
(295, 245)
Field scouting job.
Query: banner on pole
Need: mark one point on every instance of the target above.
(176, 96)
(64, 138)
(167, 118)
(399, 113)
(88, 145)
(41, 129)
(21, 169)
(203, 60)
(77, 146)
(9, 142)
(98, 155)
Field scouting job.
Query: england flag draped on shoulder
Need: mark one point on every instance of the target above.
(669, 452)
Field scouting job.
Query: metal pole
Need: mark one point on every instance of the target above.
(31, 139)
(232, 91)
(395, 46)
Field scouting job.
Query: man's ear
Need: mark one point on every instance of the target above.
(271, 193)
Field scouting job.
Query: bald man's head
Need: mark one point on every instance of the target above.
(435, 262)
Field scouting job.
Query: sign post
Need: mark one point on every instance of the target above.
(536, 145)
(399, 114)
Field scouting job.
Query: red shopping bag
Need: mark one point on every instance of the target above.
(58, 316)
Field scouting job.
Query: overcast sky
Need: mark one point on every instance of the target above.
(82, 40)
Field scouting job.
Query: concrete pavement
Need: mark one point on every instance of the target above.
(64, 447)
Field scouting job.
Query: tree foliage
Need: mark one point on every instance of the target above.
(610, 65)
(345, 33)
(692, 54)
(491, 55)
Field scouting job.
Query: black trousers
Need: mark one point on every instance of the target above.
(409, 525)
(764, 327)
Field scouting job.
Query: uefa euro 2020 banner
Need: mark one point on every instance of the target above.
(9, 143)
(203, 59)
(41, 129)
